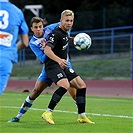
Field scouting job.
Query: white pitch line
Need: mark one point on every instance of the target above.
(62, 111)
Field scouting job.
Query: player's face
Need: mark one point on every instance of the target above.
(67, 22)
(37, 29)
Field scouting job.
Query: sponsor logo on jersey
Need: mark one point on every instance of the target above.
(5, 39)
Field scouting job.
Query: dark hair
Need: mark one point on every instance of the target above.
(35, 20)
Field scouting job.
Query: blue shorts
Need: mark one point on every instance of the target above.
(6, 66)
(44, 78)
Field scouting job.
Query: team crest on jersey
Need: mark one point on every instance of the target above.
(71, 70)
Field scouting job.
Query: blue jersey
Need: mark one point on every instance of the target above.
(36, 47)
(12, 23)
(35, 43)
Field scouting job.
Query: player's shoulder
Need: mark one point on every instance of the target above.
(33, 40)
(57, 30)
(52, 26)
(15, 8)
(56, 33)
(11, 7)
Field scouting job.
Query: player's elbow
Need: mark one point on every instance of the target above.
(47, 50)
(25, 44)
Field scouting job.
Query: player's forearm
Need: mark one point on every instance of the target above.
(23, 43)
(20, 46)
(51, 54)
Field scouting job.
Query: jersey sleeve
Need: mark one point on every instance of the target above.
(49, 28)
(39, 54)
(23, 29)
(52, 40)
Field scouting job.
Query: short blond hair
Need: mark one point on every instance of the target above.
(67, 13)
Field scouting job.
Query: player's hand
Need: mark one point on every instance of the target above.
(62, 63)
(43, 42)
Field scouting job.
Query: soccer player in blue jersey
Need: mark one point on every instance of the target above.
(43, 81)
(12, 24)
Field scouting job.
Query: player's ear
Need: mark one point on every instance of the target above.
(31, 28)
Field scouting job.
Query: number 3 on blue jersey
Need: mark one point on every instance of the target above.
(4, 19)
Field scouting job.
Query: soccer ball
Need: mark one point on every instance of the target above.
(82, 41)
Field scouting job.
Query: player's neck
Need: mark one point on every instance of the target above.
(65, 30)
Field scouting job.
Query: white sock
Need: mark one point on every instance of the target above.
(19, 115)
(82, 114)
(29, 100)
(49, 110)
(23, 108)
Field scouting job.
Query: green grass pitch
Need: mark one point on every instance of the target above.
(111, 115)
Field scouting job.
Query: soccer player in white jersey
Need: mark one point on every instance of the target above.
(12, 24)
(43, 81)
